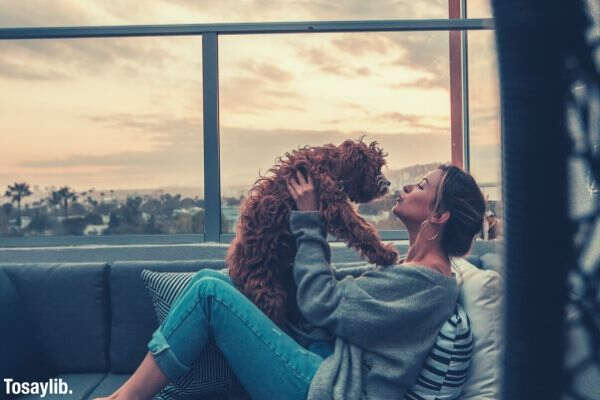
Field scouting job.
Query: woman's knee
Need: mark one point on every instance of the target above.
(210, 273)
(207, 285)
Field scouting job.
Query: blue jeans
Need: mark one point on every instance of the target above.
(267, 362)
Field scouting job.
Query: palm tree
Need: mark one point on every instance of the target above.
(54, 199)
(92, 202)
(17, 192)
(66, 194)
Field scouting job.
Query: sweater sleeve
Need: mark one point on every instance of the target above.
(318, 294)
(354, 270)
(354, 307)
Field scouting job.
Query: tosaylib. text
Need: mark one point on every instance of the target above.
(51, 386)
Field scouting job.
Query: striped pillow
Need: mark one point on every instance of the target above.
(445, 370)
(210, 375)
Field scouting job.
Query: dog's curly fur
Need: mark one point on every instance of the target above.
(260, 258)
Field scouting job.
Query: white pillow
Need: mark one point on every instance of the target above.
(481, 295)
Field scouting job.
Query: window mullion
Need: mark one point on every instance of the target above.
(212, 172)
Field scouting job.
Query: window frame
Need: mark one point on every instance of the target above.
(456, 26)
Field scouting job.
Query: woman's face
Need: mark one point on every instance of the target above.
(413, 206)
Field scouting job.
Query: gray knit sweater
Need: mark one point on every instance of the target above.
(384, 320)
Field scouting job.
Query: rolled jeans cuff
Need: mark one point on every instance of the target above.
(165, 358)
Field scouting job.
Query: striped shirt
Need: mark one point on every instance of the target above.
(445, 370)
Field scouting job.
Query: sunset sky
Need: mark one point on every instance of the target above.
(126, 113)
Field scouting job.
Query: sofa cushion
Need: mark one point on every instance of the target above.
(493, 261)
(210, 374)
(22, 358)
(481, 296)
(132, 317)
(474, 259)
(68, 305)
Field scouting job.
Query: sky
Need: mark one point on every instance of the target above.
(126, 113)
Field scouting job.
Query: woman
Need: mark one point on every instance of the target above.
(381, 322)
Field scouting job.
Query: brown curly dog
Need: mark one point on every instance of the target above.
(260, 258)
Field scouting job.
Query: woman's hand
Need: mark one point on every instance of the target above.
(303, 192)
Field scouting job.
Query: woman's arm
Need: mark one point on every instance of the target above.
(352, 270)
(318, 293)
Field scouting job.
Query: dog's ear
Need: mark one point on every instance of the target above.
(350, 153)
(375, 148)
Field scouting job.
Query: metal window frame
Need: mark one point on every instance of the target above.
(465, 91)
(74, 32)
(210, 69)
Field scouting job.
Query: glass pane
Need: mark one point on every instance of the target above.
(280, 92)
(83, 13)
(484, 120)
(479, 9)
(106, 134)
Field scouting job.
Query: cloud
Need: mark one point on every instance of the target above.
(362, 71)
(169, 135)
(422, 52)
(12, 70)
(438, 82)
(399, 117)
(319, 57)
(253, 96)
(75, 13)
(416, 122)
(161, 129)
(354, 106)
(42, 13)
(360, 45)
(306, 10)
(330, 64)
(427, 52)
(175, 156)
(266, 71)
(74, 58)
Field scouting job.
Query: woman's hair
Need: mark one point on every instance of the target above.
(459, 194)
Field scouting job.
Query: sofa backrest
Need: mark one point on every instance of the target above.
(132, 317)
(69, 311)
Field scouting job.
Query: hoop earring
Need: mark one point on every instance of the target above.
(434, 236)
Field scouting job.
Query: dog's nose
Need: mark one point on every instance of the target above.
(382, 183)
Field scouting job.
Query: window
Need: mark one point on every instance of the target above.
(280, 92)
(123, 126)
(484, 126)
(105, 136)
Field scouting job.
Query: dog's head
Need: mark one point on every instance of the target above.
(359, 170)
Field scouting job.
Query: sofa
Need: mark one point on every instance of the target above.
(89, 323)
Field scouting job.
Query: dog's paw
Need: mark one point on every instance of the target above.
(387, 256)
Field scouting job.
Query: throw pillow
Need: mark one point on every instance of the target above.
(444, 372)
(19, 346)
(210, 374)
(481, 296)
